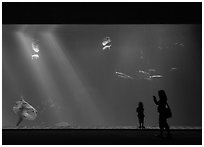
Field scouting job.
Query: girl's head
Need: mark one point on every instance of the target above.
(162, 95)
(140, 104)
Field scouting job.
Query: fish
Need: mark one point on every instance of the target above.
(120, 74)
(156, 76)
(173, 68)
(24, 110)
(106, 40)
(35, 56)
(35, 47)
(106, 47)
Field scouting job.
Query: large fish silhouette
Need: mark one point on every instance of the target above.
(24, 110)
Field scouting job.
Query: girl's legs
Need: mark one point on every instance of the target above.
(140, 122)
(142, 119)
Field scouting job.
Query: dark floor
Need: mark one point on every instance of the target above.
(98, 137)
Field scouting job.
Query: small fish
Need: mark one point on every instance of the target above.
(35, 56)
(106, 47)
(144, 72)
(106, 40)
(35, 47)
(173, 68)
(156, 76)
(120, 74)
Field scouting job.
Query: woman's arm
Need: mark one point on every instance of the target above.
(155, 100)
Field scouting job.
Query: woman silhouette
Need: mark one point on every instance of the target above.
(162, 107)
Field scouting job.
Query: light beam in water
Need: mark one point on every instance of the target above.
(67, 71)
(43, 76)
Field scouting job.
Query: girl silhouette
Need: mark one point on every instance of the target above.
(140, 115)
